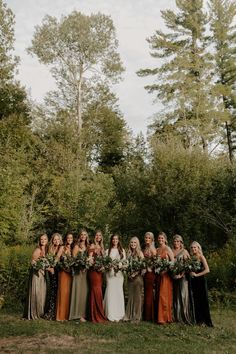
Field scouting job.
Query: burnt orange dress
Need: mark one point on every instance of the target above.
(164, 289)
(96, 310)
(149, 284)
(63, 295)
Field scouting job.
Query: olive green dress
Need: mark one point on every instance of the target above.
(134, 305)
(79, 296)
(36, 296)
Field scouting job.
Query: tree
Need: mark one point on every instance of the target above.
(223, 40)
(13, 98)
(183, 76)
(80, 49)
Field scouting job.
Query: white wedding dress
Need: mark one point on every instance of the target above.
(114, 303)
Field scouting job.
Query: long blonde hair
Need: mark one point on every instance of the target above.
(179, 238)
(137, 252)
(195, 243)
(100, 243)
(51, 246)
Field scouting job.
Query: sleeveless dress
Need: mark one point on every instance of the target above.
(52, 285)
(134, 304)
(200, 297)
(79, 296)
(36, 295)
(96, 310)
(114, 303)
(163, 294)
(182, 298)
(63, 295)
(149, 284)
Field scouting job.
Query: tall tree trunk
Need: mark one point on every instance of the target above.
(229, 141)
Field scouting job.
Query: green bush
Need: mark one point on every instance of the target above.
(14, 267)
(222, 265)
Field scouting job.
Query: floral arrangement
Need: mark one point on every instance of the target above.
(40, 264)
(157, 264)
(187, 265)
(65, 263)
(135, 266)
(81, 262)
(119, 265)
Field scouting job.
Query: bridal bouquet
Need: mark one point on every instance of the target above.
(107, 263)
(160, 264)
(40, 264)
(119, 265)
(187, 265)
(99, 264)
(81, 262)
(192, 265)
(135, 266)
(66, 262)
(51, 260)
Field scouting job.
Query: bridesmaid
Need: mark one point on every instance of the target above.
(97, 314)
(37, 288)
(199, 287)
(182, 297)
(114, 302)
(54, 246)
(164, 284)
(149, 278)
(135, 284)
(79, 291)
(64, 281)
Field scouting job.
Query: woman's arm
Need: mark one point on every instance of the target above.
(35, 255)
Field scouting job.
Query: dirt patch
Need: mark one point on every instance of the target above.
(48, 344)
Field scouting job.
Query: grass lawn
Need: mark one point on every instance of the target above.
(21, 336)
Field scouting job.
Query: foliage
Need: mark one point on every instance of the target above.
(76, 46)
(14, 265)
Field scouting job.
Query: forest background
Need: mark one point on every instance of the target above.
(72, 162)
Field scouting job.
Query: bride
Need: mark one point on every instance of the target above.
(114, 303)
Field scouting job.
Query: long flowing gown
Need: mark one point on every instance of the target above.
(200, 297)
(63, 295)
(149, 285)
(64, 291)
(96, 309)
(164, 290)
(36, 295)
(114, 303)
(52, 287)
(134, 305)
(183, 307)
(79, 296)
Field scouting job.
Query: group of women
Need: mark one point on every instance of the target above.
(152, 297)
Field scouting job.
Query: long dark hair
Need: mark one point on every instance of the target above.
(65, 241)
(119, 246)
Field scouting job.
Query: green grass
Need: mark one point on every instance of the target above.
(21, 336)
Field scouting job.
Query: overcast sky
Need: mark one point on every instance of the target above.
(135, 20)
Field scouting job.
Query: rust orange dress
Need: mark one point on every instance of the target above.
(149, 284)
(96, 310)
(63, 295)
(164, 289)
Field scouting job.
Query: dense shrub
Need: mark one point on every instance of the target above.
(222, 265)
(14, 266)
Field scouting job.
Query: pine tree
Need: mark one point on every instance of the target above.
(183, 75)
(223, 39)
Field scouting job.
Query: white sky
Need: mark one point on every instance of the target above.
(135, 20)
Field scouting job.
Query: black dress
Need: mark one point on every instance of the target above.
(200, 298)
(52, 285)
